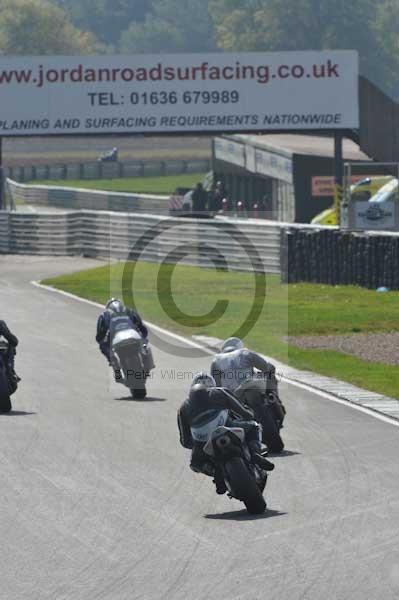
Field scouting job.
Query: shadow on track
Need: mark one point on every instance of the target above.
(283, 453)
(142, 400)
(16, 413)
(243, 515)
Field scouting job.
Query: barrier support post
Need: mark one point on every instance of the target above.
(338, 171)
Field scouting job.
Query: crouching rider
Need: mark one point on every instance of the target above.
(204, 404)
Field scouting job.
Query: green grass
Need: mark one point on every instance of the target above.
(61, 155)
(288, 310)
(145, 185)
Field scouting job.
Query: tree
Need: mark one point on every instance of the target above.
(106, 18)
(173, 26)
(38, 27)
(310, 24)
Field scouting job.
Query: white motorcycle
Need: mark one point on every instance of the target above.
(132, 358)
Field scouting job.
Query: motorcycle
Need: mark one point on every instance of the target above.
(132, 357)
(8, 380)
(109, 156)
(268, 409)
(227, 448)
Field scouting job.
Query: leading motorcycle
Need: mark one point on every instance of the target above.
(8, 380)
(131, 357)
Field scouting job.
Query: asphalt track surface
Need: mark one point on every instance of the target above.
(97, 501)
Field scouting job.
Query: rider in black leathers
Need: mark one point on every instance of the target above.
(205, 397)
(12, 344)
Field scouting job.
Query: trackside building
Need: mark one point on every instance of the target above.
(290, 176)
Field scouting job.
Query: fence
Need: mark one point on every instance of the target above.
(239, 245)
(335, 257)
(300, 253)
(77, 198)
(107, 170)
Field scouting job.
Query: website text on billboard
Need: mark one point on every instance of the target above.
(176, 93)
(159, 72)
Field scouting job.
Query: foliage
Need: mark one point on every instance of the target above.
(106, 18)
(173, 26)
(272, 25)
(39, 27)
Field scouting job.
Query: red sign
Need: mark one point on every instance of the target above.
(325, 186)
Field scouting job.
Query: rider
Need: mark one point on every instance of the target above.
(207, 400)
(116, 308)
(234, 368)
(12, 344)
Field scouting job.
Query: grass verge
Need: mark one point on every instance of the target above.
(144, 185)
(303, 309)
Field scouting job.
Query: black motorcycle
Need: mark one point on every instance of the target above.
(244, 480)
(8, 379)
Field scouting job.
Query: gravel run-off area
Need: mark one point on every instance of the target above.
(374, 347)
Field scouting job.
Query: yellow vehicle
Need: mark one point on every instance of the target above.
(361, 190)
(387, 192)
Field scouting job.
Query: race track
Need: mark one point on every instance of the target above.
(97, 501)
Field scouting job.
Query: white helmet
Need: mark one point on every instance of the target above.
(115, 306)
(203, 379)
(232, 344)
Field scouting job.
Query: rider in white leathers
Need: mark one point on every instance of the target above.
(243, 372)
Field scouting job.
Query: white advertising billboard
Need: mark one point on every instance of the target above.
(253, 91)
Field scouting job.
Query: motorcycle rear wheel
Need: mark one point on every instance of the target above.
(138, 393)
(5, 402)
(244, 486)
(270, 431)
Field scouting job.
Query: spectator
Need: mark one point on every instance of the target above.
(218, 195)
(199, 198)
(265, 207)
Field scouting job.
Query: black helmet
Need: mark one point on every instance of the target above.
(115, 306)
(204, 380)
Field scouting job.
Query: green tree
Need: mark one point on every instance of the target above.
(173, 26)
(311, 24)
(39, 27)
(106, 18)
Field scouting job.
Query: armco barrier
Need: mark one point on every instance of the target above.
(76, 198)
(242, 244)
(300, 253)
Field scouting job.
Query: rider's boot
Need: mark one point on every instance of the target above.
(258, 458)
(219, 482)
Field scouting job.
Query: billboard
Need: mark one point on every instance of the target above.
(251, 91)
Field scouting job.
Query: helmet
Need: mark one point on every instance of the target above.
(232, 344)
(115, 306)
(203, 379)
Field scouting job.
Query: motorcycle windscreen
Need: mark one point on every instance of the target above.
(126, 337)
(203, 430)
